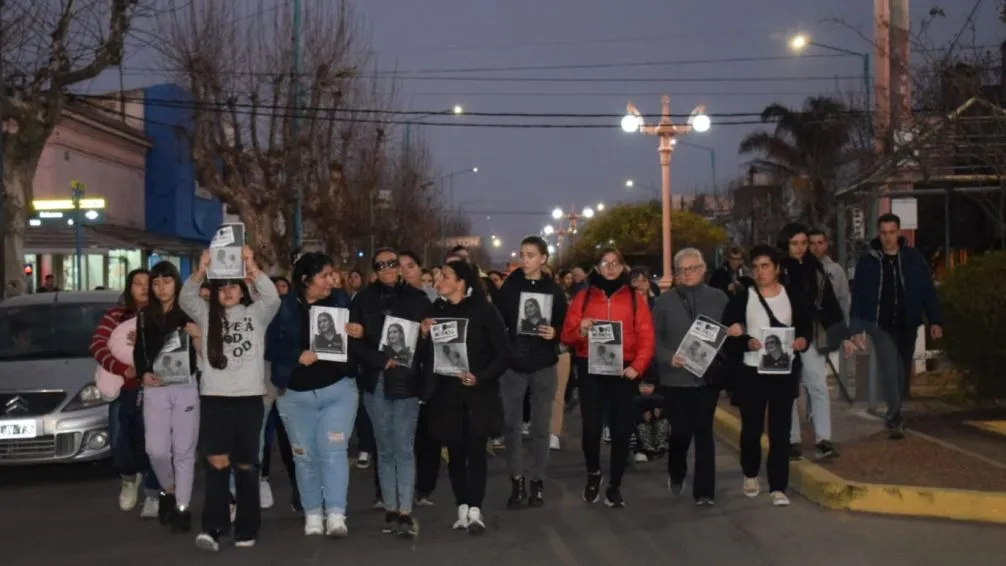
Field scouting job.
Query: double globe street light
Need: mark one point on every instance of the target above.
(666, 130)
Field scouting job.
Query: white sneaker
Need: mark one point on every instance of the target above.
(475, 524)
(779, 499)
(462, 522)
(751, 487)
(606, 435)
(553, 442)
(129, 494)
(363, 460)
(313, 524)
(498, 443)
(525, 429)
(335, 526)
(641, 458)
(150, 507)
(265, 494)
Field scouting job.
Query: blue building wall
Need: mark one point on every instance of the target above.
(173, 209)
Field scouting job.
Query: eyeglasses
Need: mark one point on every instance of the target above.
(383, 265)
(688, 270)
(610, 264)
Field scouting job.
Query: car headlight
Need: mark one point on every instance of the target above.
(86, 398)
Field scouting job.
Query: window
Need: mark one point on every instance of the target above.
(49, 331)
(120, 263)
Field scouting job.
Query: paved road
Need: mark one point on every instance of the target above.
(69, 516)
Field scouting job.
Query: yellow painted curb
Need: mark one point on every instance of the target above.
(829, 490)
(994, 427)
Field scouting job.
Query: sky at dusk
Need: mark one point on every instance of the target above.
(525, 173)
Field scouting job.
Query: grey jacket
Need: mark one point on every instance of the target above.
(840, 283)
(671, 323)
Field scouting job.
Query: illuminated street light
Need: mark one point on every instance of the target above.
(475, 169)
(458, 109)
(798, 42)
(513, 254)
(548, 230)
(600, 207)
(551, 249)
(557, 213)
(497, 242)
(630, 183)
(588, 212)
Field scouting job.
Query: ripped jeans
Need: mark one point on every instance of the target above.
(320, 423)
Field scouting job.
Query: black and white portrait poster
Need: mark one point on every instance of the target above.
(604, 351)
(776, 350)
(398, 339)
(701, 344)
(225, 252)
(172, 364)
(328, 333)
(450, 350)
(535, 311)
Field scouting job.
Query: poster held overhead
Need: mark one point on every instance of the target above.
(226, 261)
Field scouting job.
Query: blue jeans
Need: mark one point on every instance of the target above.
(320, 424)
(395, 423)
(126, 438)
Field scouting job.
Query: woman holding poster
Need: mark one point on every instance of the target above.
(609, 321)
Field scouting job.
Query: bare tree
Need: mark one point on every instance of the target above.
(46, 48)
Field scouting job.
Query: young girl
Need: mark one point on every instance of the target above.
(232, 331)
(170, 395)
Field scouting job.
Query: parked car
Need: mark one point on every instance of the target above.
(50, 409)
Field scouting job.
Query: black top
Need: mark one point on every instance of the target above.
(151, 332)
(531, 353)
(892, 294)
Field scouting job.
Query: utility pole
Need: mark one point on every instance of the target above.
(298, 47)
(77, 193)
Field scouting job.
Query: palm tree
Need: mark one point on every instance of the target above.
(812, 143)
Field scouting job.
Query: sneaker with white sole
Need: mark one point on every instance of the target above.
(129, 493)
(209, 542)
(606, 435)
(314, 524)
(641, 458)
(265, 494)
(462, 522)
(751, 487)
(553, 442)
(335, 526)
(244, 543)
(363, 460)
(476, 526)
(779, 499)
(151, 507)
(525, 429)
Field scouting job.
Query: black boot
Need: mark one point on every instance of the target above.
(518, 493)
(182, 521)
(166, 508)
(537, 496)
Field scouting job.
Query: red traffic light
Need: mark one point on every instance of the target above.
(28, 269)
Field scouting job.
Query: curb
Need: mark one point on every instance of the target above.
(828, 490)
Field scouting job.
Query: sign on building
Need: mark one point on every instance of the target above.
(466, 241)
(907, 210)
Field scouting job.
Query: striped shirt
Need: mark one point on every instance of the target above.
(99, 344)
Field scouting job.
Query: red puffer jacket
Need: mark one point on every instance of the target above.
(638, 342)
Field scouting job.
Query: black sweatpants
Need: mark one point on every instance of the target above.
(427, 456)
(774, 393)
(690, 411)
(617, 394)
(468, 467)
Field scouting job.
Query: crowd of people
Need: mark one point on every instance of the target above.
(450, 358)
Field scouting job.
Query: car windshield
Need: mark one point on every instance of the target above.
(49, 331)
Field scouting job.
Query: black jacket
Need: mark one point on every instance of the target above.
(150, 337)
(370, 306)
(811, 280)
(723, 276)
(488, 357)
(531, 353)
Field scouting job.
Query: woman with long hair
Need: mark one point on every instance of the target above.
(465, 406)
(317, 399)
(112, 348)
(166, 360)
(391, 382)
(609, 299)
(232, 332)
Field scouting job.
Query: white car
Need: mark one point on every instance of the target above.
(50, 409)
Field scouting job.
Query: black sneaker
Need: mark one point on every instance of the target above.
(613, 497)
(209, 541)
(592, 492)
(166, 508)
(896, 431)
(408, 526)
(537, 496)
(390, 523)
(675, 488)
(518, 493)
(795, 452)
(705, 502)
(182, 521)
(825, 449)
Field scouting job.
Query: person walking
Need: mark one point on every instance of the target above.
(609, 299)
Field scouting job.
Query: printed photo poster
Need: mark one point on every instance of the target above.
(328, 333)
(604, 351)
(701, 344)
(776, 350)
(398, 339)
(535, 309)
(225, 252)
(450, 349)
(172, 364)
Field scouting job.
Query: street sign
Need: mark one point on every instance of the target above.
(907, 210)
(466, 241)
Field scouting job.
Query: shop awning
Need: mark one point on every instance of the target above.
(106, 237)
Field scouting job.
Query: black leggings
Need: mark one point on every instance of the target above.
(774, 393)
(617, 394)
(285, 450)
(468, 467)
(427, 456)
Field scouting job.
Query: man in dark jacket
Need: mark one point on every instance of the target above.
(733, 276)
(892, 291)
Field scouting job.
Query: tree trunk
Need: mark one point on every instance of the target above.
(18, 176)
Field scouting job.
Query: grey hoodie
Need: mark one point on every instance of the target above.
(671, 322)
(244, 345)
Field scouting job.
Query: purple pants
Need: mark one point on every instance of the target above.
(171, 418)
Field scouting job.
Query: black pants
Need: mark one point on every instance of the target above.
(427, 456)
(367, 443)
(571, 383)
(527, 406)
(690, 411)
(285, 450)
(618, 395)
(468, 467)
(895, 355)
(775, 393)
(230, 426)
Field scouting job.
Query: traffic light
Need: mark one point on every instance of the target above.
(28, 270)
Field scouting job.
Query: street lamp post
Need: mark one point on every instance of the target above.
(666, 131)
(800, 42)
(712, 159)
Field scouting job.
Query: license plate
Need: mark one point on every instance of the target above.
(17, 429)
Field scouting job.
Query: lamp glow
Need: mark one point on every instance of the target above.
(549, 230)
(629, 183)
(588, 212)
(701, 123)
(600, 206)
(458, 109)
(475, 169)
(551, 249)
(630, 123)
(557, 213)
(798, 42)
